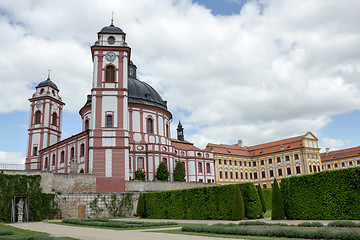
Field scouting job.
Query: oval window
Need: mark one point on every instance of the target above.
(111, 40)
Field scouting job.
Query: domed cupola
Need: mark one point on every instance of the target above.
(47, 83)
(142, 93)
(111, 29)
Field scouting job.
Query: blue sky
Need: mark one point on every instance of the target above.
(252, 70)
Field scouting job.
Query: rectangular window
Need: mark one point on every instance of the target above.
(236, 175)
(244, 164)
(270, 160)
(317, 157)
(263, 175)
(231, 175)
(350, 163)
(271, 173)
(358, 162)
(298, 170)
(314, 167)
(235, 163)
(328, 166)
(240, 163)
(200, 167)
(335, 165)
(164, 160)
(109, 121)
(318, 168)
(312, 156)
(140, 163)
(82, 150)
(209, 181)
(219, 161)
(72, 153)
(310, 168)
(224, 162)
(296, 156)
(208, 170)
(200, 180)
(35, 151)
(230, 162)
(289, 171)
(226, 175)
(308, 155)
(264, 185)
(342, 164)
(262, 162)
(241, 175)
(255, 175)
(53, 160)
(254, 164)
(246, 175)
(251, 175)
(62, 157)
(278, 159)
(221, 175)
(280, 172)
(287, 158)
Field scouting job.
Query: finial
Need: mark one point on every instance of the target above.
(112, 18)
(49, 73)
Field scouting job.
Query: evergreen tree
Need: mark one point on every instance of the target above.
(238, 212)
(140, 175)
(162, 173)
(277, 203)
(179, 172)
(140, 210)
(262, 200)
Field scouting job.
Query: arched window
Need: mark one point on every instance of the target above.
(149, 125)
(167, 130)
(62, 157)
(110, 74)
(87, 124)
(82, 150)
(53, 160)
(37, 117)
(72, 153)
(82, 171)
(164, 160)
(109, 121)
(46, 162)
(54, 119)
(140, 163)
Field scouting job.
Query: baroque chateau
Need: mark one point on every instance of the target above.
(126, 127)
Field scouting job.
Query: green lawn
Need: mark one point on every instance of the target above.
(22, 232)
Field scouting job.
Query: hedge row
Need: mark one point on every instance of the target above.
(274, 232)
(115, 224)
(4, 231)
(41, 205)
(268, 197)
(326, 195)
(30, 237)
(201, 203)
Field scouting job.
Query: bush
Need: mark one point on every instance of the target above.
(4, 231)
(262, 200)
(310, 224)
(115, 224)
(267, 192)
(201, 203)
(345, 224)
(179, 172)
(162, 172)
(140, 210)
(277, 203)
(140, 175)
(238, 212)
(328, 195)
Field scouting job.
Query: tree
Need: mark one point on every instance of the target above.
(238, 212)
(162, 173)
(262, 200)
(277, 203)
(140, 210)
(140, 175)
(179, 172)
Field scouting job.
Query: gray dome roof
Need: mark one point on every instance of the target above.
(142, 93)
(111, 30)
(46, 83)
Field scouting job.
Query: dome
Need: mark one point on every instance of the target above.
(46, 83)
(142, 93)
(111, 30)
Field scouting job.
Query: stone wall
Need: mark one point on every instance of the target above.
(60, 182)
(84, 205)
(144, 186)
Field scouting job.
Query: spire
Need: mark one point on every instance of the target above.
(112, 19)
(49, 73)
(180, 132)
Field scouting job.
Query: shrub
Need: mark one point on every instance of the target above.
(267, 192)
(262, 200)
(115, 224)
(310, 224)
(140, 210)
(190, 203)
(162, 172)
(4, 231)
(346, 224)
(328, 195)
(140, 175)
(238, 211)
(277, 203)
(179, 172)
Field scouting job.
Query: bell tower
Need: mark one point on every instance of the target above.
(109, 136)
(45, 121)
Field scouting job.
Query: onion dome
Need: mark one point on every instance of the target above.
(48, 82)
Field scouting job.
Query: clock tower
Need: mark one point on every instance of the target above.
(45, 121)
(109, 135)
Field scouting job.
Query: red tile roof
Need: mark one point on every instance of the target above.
(184, 145)
(339, 154)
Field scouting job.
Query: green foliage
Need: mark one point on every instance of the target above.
(277, 203)
(262, 199)
(344, 224)
(267, 192)
(41, 205)
(310, 224)
(328, 195)
(140, 175)
(201, 203)
(100, 222)
(94, 206)
(179, 172)
(274, 232)
(4, 231)
(30, 237)
(140, 210)
(115, 206)
(162, 172)
(238, 212)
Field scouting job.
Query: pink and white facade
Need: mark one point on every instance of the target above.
(125, 123)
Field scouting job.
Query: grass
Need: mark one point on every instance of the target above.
(18, 232)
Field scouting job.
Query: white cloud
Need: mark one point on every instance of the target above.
(335, 144)
(11, 158)
(275, 70)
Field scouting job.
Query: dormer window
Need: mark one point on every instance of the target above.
(110, 74)
(111, 40)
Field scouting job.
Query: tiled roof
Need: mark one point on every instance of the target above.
(184, 145)
(339, 154)
(256, 150)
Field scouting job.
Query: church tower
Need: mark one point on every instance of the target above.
(109, 136)
(45, 121)
(180, 132)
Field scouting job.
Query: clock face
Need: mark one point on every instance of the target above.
(110, 56)
(38, 104)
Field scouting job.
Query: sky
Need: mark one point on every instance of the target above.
(259, 70)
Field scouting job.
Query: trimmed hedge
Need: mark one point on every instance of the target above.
(201, 203)
(324, 196)
(238, 212)
(100, 222)
(268, 197)
(41, 205)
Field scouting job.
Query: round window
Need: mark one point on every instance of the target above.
(111, 40)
